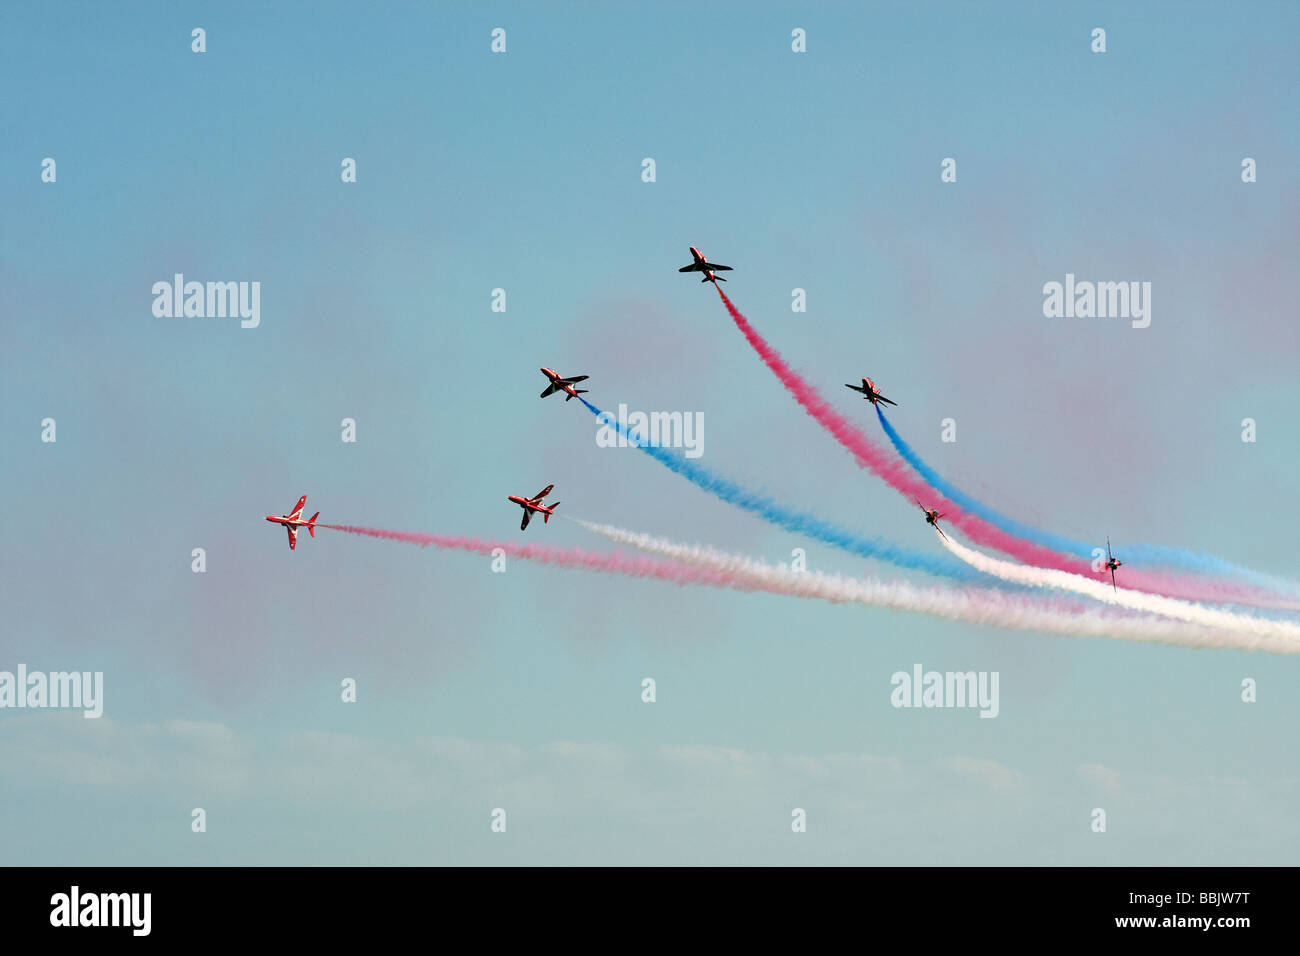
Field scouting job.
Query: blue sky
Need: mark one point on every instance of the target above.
(522, 171)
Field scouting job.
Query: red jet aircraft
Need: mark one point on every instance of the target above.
(293, 521)
(559, 384)
(870, 392)
(1112, 563)
(702, 264)
(932, 516)
(534, 504)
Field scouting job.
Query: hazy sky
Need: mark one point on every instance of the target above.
(522, 170)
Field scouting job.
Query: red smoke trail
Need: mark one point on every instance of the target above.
(637, 566)
(899, 475)
(732, 571)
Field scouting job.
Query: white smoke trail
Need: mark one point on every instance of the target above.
(1121, 597)
(976, 605)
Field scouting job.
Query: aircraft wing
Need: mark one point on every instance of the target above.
(691, 268)
(543, 493)
(293, 535)
(717, 268)
(296, 513)
(575, 379)
(882, 398)
(856, 388)
(549, 389)
(528, 516)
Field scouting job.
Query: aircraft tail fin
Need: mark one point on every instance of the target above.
(311, 524)
(577, 391)
(546, 517)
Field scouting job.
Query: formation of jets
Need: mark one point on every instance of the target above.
(559, 383)
(534, 505)
(293, 521)
(702, 264)
(870, 392)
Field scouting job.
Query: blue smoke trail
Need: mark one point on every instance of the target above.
(799, 522)
(1137, 553)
